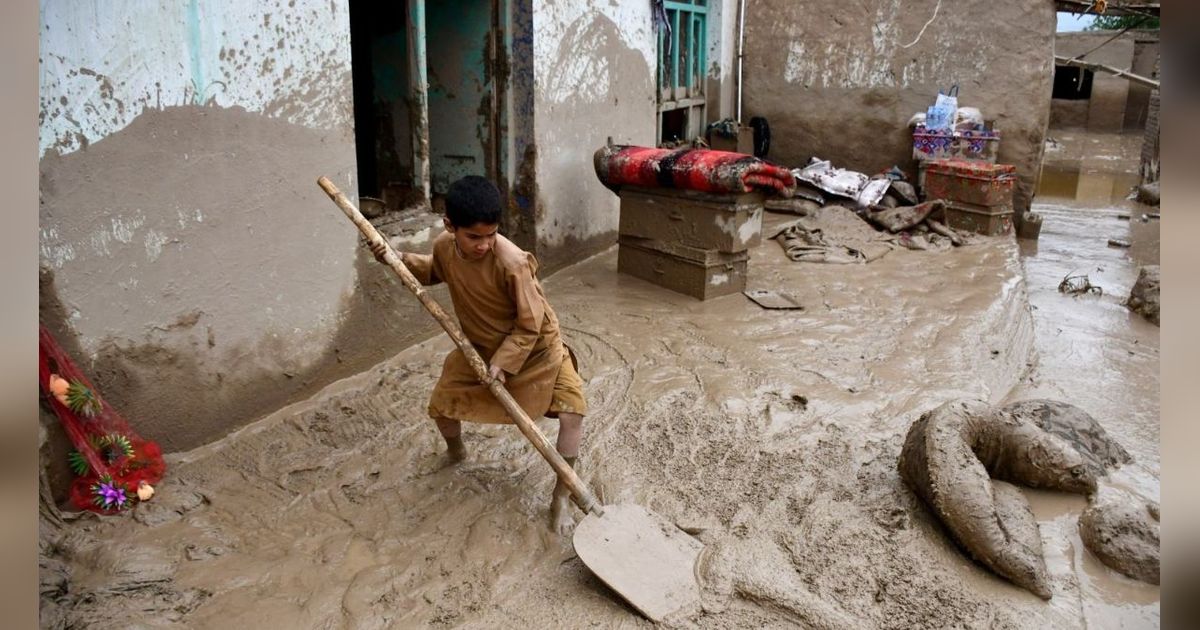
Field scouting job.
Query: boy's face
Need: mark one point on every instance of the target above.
(475, 241)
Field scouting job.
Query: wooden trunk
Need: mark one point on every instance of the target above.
(725, 223)
(986, 220)
(700, 273)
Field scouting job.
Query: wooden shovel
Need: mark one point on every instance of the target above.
(642, 556)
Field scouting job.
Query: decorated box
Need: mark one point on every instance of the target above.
(973, 145)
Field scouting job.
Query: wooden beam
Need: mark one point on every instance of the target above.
(1113, 8)
(1134, 78)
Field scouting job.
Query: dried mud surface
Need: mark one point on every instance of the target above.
(773, 435)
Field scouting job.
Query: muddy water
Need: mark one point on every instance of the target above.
(774, 434)
(1092, 351)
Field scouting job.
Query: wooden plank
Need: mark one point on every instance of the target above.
(1133, 78)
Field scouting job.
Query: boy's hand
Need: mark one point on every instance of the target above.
(378, 249)
(497, 373)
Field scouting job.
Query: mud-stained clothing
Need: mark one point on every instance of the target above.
(504, 314)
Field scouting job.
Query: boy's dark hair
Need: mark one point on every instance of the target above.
(471, 200)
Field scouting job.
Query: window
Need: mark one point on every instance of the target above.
(1071, 83)
(681, 59)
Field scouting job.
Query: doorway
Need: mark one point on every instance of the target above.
(426, 98)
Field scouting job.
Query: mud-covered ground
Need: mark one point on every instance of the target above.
(774, 434)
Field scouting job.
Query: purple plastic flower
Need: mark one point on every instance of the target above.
(110, 495)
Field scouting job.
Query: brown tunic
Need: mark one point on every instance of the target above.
(504, 313)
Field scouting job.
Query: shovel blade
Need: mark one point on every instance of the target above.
(645, 558)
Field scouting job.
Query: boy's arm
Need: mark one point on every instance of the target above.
(527, 325)
(421, 265)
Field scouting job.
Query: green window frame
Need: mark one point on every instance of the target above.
(681, 62)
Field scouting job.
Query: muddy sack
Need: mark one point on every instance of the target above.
(1101, 453)
(949, 458)
(1123, 532)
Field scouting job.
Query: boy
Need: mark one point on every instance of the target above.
(504, 313)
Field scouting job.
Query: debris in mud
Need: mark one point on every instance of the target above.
(1122, 531)
(949, 459)
(1149, 194)
(1030, 226)
(1078, 285)
(1143, 298)
(833, 234)
(865, 191)
(1117, 242)
(774, 300)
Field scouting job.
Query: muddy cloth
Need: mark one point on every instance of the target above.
(832, 234)
(904, 217)
(504, 313)
(838, 181)
(704, 170)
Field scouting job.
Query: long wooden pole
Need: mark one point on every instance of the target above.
(580, 493)
(1135, 78)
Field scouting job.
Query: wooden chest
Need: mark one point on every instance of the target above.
(700, 273)
(725, 223)
(986, 220)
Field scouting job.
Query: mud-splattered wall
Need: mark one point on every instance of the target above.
(593, 65)
(840, 80)
(188, 259)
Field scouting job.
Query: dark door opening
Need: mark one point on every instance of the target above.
(425, 100)
(1072, 84)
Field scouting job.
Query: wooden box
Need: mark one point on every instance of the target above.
(743, 143)
(725, 223)
(986, 220)
(700, 273)
(973, 182)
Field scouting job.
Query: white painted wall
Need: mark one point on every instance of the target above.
(103, 63)
(595, 64)
(189, 244)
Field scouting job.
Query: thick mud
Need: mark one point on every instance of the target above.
(773, 435)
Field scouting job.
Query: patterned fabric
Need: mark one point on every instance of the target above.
(705, 170)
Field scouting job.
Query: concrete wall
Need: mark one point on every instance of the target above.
(593, 63)
(1068, 113)
(1106, 107)
(840, 80)
(1145, 62)
(721, 89)
(189, 262)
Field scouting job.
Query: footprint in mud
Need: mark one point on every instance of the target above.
(494, 468)
(606, 373)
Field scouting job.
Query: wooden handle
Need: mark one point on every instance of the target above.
(582, 496)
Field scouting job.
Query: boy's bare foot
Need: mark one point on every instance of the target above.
(561, 518)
